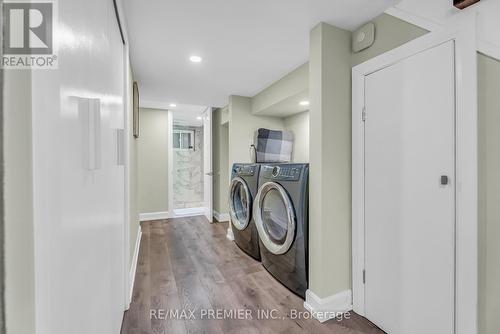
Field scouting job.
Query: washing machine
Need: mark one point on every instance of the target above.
(281, 216)
(243, 188)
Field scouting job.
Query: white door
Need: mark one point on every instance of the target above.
(410, 194)
(207, 163)
(78, 178)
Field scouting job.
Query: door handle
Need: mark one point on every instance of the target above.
(444, 180)
(210, 174)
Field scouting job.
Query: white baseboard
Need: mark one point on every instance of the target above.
(221, 217)
(154, 216)
(230, 233)
(133, 266)
(188, 212)
(324, 309)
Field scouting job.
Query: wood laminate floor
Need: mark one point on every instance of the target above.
(188, 266)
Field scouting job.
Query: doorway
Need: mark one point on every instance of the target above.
(191, 154)
(414, 186)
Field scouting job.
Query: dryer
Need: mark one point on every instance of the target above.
(243, 188)
(281, 217)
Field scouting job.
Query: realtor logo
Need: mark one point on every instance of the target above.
(28, 37)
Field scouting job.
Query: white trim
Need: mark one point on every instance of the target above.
(154, 216)
(128, 137)
(466, 271)
(488, 49)
(170, 161)
(189, 212)
(484, 47)
(208, 179)
(466, 286)
(229, 232)
(221, 217)
(419, 21)
(324, 309)
(133, 266)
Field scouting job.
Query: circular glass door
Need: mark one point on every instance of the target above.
(239, 203)
(275, 218)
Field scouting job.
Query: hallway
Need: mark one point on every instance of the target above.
(188, 264)
(286, 166)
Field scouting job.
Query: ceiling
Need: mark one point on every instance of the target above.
(185, 114)
(245, 45)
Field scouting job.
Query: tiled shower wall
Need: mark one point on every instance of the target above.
(188, 172)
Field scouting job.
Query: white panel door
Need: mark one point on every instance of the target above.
(207, 163)
(409, 213)
(79, 196)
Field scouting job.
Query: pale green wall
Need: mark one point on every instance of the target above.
(330, 145)
(293, 83)
(18, 192)
(153, 161)
(242, 127)
(390, 32)
(489, 194)
(298, 124)
(330, 160)
(220, 159)
(133, 175)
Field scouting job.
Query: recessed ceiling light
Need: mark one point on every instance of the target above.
(304, 103)
(199, 118)
(195, 59)
(172, 105)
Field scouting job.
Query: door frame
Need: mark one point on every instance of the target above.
(202, 211)
(170, 163)
(128, 138)
(208, 179)
(463, 33)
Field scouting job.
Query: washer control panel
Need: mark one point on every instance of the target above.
(244, 170)
(285, 173)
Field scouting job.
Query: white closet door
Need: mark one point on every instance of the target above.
(409, 213)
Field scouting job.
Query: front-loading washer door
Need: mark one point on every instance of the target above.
(274, 217)
(240, 206)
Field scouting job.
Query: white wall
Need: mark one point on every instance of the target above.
(79, 214)
(298, 124)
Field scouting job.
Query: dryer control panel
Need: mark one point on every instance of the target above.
(284, 173)
(244, 170)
